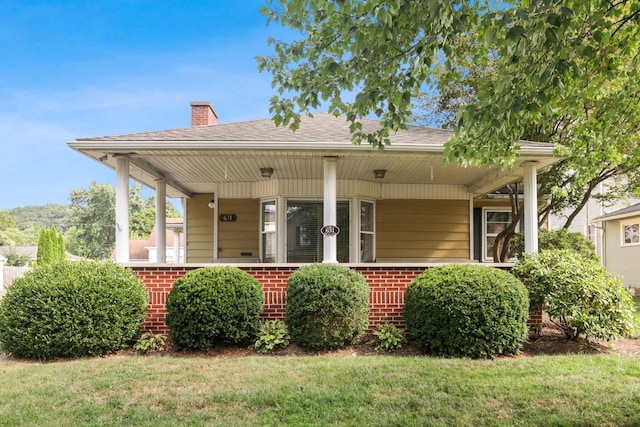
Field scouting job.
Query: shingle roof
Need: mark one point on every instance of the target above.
(620, 213)
(323, 127)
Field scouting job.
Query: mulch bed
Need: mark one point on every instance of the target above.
(550, 341)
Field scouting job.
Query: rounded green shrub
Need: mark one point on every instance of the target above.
(580, 296)
(467, 310)
(209, 306)
(327, 306)
(72, 309)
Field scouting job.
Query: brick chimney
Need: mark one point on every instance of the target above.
(203, 114)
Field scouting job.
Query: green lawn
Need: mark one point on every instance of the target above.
(322, 390)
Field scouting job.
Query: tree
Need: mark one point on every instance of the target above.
(363, 58)
(30, 219)
(51, 246)
(10, 235)
(93, 218)
(597, 150)
(143, 214)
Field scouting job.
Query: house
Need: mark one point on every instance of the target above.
(621, 248)
(145, 250)
(9, 273)
(584, 221)
(30, 253)
(267, 199)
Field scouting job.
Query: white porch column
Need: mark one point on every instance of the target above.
(530, 207)
(122, 210)
(330, 242)
(176, 247)
(161, 221)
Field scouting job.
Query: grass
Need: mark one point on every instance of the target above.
(322, 390)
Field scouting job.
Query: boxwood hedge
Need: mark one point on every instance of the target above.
(72, 309)
(467, 310)
(209, 306)
(327, 306)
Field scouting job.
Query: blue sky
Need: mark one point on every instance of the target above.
(72, 69)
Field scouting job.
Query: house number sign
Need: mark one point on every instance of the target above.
(228, 217)
(330, 230)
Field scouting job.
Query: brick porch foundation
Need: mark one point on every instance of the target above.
(386, 299)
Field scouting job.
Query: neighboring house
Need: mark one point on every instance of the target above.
(621, 249)
(268, 199)
(10, 273)
(146, 250)
(584, 221)
(30, 252)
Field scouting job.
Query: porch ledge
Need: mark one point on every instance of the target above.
(279, 265)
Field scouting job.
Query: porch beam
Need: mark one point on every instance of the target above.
(122, 210)
(530, 207)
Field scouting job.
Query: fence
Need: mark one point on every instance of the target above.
(11, 273)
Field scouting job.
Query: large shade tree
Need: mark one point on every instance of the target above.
(596, 155)
(560, 71)
(364, 57)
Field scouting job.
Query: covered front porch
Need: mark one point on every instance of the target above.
(267, 199)
(252, 192)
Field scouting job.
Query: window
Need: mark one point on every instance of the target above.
(304, 239)
(268, 231)
(630, 231)
(494, 222)
(366, 231)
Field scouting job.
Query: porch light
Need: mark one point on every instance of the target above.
(379, 173)
(266, 172)
(212, 203)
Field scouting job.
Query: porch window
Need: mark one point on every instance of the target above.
(366, 231)
(304, 239)
(268, 231)
(630, 233)
(494, 222)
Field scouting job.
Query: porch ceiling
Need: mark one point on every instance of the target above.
(192, 159)
(189, 171)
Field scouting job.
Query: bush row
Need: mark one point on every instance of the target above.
(72, 309)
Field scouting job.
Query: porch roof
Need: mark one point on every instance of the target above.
(191, 159)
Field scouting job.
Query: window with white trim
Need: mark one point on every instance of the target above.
(367, 232)
(494, 221)
(630, 233)
(268, 240)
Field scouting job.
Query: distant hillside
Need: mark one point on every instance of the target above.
(30, 219)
